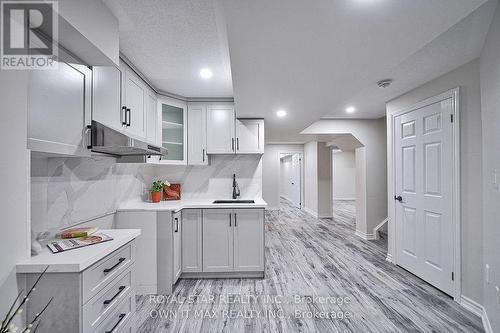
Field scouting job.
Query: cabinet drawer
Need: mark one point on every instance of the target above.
(102, 273)
(119, 320)
(108, 299)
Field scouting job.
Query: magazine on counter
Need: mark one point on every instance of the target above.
(61, 245)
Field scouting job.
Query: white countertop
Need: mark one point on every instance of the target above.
(77, 260)
(177, 205)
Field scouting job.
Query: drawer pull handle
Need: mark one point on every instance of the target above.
(123, 315)
(107, 270)
(108, 301)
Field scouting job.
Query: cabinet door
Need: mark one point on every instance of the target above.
(220, 129)
(191, 240)
(217, 240)
(59, 110)
(106, 90)
(177, 246)
(151, 110)
(135, 97)
(249, 240)
(197, 135)
(250, 136)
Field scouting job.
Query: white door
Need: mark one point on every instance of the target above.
(220, 129)
(135, 97)
(248, 240)
(217, 240)
(250, 136)
(191, 240)
(424, 189)
(197, 134)
(177, 246)
(152, 126)
(106, 90)
(296, 179)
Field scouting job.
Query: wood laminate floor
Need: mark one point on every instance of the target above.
(306, 259)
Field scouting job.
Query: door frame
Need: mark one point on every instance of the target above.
(392, 256)
(293, 152)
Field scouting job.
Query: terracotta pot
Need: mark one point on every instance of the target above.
(155, 197)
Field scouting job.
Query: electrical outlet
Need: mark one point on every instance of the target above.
(487, 274)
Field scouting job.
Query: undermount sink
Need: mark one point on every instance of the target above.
(236, 201)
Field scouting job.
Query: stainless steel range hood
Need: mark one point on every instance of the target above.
(108, 141)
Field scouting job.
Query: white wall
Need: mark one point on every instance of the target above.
(344, 175)
(271, 172)
(311, 177)
(490, 99)
(467, 77)
(372, 135)
(324, 180)
(14, 177)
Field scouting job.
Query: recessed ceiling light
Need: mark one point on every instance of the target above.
(206, 73)
(281, 113)
(350, 109)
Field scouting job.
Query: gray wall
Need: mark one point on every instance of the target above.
(344, 175)
(271, 172)
(467, 77)
(490, 99)
(14, 175)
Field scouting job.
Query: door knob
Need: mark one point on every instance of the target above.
(398, 198)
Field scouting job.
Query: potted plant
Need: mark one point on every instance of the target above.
(156, 190)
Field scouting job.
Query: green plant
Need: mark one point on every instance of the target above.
(157, 186)
(7, 326)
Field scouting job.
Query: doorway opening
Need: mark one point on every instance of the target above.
(291, 182)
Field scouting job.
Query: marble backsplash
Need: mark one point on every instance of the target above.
(67, 191)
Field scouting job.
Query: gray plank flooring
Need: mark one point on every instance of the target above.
(310, 257)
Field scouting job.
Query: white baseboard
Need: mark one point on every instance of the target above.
(389, 258)
(310, 211)
(367, 237)
(379, 226)
(478, 310)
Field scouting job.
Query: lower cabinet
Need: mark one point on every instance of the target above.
(191, 241)
(233, 240)
(177, 246)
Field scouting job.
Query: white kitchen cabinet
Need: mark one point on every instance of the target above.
(151, 110)
(248, 240)
(249, 136)
(197, 134)
(106, 97)
(217, 240)
(192, 240)
(135, 96)
(59, 110)
(177, 246)
(220, 129)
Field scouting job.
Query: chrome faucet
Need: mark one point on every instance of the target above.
(236, 188)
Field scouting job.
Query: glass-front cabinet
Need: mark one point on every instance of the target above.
(173, 121)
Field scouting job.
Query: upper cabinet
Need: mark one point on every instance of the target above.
(220, 129)
(59, 110)
(124, 102)
(250, 136)
(197, 134)
(173, 130)
(106, 90)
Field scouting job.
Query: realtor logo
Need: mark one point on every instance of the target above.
(28, 34)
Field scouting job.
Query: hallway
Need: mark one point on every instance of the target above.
(313, 257)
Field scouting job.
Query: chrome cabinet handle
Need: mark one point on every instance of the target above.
(176, 224)
(237, 143)
(232, 144)
(123, 315)
(107, 270)
(128, 116)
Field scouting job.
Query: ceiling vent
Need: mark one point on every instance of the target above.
(384, 83)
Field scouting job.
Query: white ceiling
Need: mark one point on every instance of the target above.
(170, 41)
(310, 58)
